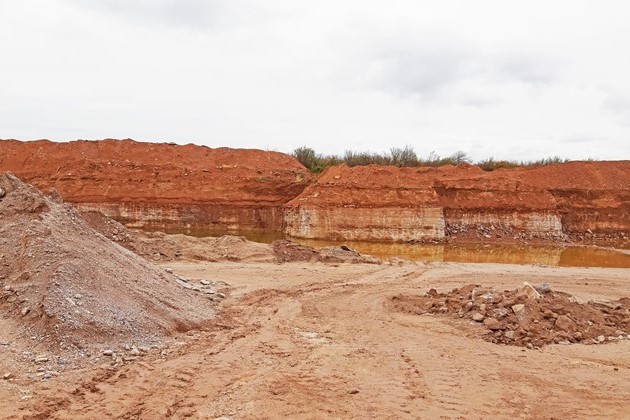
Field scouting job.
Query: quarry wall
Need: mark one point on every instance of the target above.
(195, 188)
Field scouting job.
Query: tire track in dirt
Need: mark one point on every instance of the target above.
(333, 349)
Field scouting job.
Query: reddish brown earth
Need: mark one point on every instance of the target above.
(163, 185)
(581, 199)
(201, 190)
(109, 335)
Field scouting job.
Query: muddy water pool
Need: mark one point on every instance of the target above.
(570, 256)
(559, 256)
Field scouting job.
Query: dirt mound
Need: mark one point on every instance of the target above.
(68, 287)
(223, 248)
(116, 232)
(289, 251)
(529, 316)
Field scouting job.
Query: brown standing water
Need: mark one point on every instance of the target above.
(555, 256)
(569, 256)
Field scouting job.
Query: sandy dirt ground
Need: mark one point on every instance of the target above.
(314, 340)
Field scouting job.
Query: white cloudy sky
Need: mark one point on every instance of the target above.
(508, 79)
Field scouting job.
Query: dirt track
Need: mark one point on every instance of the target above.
(317, 341)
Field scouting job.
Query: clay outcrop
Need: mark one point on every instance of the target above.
(577, 199)
(163, 186)
(195, 189)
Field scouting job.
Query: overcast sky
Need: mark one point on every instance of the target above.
(508, 79)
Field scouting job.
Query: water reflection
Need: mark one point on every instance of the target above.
(474, 253)
(512, 254)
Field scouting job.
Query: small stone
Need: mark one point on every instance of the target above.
(519, 311)
(529, 291)
(134, 351)
(7, 288)
(7, 376)
(169, 270)
(601, 339)
(220, 295)
(204, 282)
(493, 324)
(353, 391)
(564, 323)
(500, 312)
(477, 317)
(108, 353)
(41, 359)
(25, 310)
(509, 334)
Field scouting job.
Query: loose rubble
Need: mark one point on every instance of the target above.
(528, 316)
(289, 251)
(65, 288)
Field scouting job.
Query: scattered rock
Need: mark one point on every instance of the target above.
(25, 310)
(519, 311)
(41, 359)
(493, 324)
(478, 317)
(516, 317)
(529, 291)
(564, 323)
(108, 352)
(7, 376)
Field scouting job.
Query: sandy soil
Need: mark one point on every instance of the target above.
(304, 340)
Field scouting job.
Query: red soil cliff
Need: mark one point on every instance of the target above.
(166, 186)
(163, 186)
(376, 202)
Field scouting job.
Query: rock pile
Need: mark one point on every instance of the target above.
(68, 287)
(529, 316)
(289, 251)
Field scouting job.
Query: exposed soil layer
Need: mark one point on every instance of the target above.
(69, 288)
(529, 316)
(576, 200)
(194, 188)
(162, 185)
(161, 247)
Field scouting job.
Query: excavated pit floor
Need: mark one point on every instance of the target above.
(304, 340)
